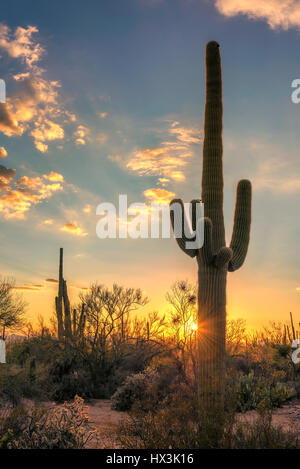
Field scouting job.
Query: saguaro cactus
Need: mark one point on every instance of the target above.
(59, 298)
(214, 258)
(62, 303)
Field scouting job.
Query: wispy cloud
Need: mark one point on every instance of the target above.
(159, 195)
(87, 208)
(81, 134)
(29, 286)
(21, 44)
(54, 177)
(51, 280)
(74, 229)
(169, 158)
(283, 14)
(49, 221)
(269, 169)
(37, 106)
(17, 197)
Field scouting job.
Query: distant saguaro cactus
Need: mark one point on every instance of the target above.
(62, 304)
(214, 258)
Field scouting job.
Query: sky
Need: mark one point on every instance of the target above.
(105, 98)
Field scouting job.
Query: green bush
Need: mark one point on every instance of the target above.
(251, 390)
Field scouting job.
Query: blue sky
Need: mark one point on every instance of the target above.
(96, 91)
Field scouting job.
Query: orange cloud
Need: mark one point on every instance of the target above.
(6, 175)
(3, 153)
(54, 177)
(46, 130)
(81, 135)
(73, 228)
(87, 209)
(168, 159)
(158, 195)
(18, 197)
(277, 13)
(36, 107)
(20, 44)
(48, 222)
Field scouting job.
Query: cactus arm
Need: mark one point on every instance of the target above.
(241, 228)
(223, 257)
(193, 213)
(178, 219)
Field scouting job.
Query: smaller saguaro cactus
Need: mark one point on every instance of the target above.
(79, 325)
(62, 304)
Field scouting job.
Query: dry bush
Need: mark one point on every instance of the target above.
(65, 428)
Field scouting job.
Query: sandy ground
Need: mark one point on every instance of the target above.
(105, 420)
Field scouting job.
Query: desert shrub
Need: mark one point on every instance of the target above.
(251, 390)
(134, 388)
(66, 428)
(16, 383)
(148, 389)
(181, 424)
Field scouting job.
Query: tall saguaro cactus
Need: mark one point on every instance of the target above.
(214, 258)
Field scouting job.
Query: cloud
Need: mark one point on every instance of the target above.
(6, 175)
(158, 195)
(103, 115)
(46, 130)
(87, 208)
(115, 158)
(272, 172)
(283, 14)
(17, 197)
(169, 158)
(49, 221)
(102, 138)
(8, 123)
(3, 153)
(29, 286)
(21, 44)
(54, 177)
(73, 228)
(81, 135)
(51, 280)
(36, 107)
